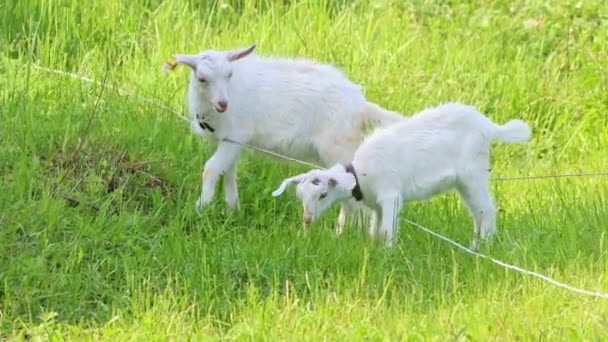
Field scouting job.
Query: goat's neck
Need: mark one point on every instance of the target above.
(356, 192)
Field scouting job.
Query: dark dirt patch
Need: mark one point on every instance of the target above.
(102, 171)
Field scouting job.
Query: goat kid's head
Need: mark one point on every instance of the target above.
(211, 73)
(319, 189)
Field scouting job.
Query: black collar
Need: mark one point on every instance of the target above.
(205, 126)
(357, 194)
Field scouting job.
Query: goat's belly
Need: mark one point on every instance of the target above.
(293, 148)
(427, 188)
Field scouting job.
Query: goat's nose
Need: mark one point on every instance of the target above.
(222, 105)
(307, 220)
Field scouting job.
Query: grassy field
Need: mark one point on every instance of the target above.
(147, 267)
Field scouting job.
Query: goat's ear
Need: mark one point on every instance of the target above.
(344, 180)
(189, 60)
(239, 53)
(293, 180)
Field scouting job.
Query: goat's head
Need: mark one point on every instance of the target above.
(211, 73)
(319, 189)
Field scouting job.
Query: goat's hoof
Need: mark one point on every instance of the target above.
(200, 204)
(485, 241)
(474, 246)
(232, 207)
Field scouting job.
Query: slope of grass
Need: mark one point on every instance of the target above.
(142, 265)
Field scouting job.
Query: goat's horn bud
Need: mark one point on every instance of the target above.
(170, 64)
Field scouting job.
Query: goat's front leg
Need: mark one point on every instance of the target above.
(345, 209)
(391, 206)
(231, 193)
(373, 222)
(220, 163)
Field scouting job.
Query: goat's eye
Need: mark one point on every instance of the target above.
(202, 80)
(315, 181)
(230, 75)
(323, 195)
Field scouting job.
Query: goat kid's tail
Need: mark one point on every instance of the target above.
(376, 116)
(514, 131)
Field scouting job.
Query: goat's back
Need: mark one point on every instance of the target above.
(301, 87)
(425, 153)
(296, 107)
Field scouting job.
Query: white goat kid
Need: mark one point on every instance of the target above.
(297, 108)
(438, 149)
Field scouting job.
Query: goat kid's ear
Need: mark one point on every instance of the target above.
(285, 183)
(239, 53)
(344, 180)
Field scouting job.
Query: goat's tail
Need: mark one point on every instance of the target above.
(376, 116)
(514, 131)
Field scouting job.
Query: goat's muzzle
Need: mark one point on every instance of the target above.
(221, 106)
(306, 218)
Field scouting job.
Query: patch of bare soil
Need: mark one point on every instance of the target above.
(99, 171)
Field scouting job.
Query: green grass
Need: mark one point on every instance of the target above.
(147, 267)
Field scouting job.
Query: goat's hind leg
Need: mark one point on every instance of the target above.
(476, 195)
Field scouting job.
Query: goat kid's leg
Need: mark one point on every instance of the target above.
(220, 162)
(346, 209)
(373, 223)
(478, 199)
(231, 193)
(391, 206)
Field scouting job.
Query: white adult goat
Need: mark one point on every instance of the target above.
(429, 153)
(298, 108)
